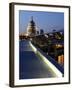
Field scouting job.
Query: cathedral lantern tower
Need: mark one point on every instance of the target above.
(31, 29)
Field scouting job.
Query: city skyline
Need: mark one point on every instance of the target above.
(47, 21)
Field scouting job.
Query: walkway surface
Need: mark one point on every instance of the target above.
(31, 66)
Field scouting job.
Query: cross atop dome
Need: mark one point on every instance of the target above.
(31, 18)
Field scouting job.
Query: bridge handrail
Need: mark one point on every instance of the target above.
(60, 68)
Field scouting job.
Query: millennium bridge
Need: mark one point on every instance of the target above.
(34, 63)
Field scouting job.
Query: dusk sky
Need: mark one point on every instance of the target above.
(43, 20)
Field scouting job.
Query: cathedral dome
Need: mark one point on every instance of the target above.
(31, 29)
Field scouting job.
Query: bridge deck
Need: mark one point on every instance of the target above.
(31, 66)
